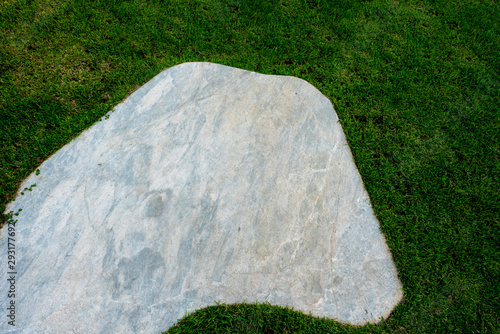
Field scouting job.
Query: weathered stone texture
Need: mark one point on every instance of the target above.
(207, 184)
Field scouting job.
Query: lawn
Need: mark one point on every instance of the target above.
(415, 85)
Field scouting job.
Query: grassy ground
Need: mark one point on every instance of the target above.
(415, 84)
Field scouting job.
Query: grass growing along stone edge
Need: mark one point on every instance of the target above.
(415, 86)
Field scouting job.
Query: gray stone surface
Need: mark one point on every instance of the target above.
(207, 184)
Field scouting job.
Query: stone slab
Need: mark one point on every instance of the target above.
(209, 183)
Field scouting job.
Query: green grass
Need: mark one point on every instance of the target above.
(415, 85)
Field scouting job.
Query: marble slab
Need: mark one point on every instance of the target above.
(209, 183)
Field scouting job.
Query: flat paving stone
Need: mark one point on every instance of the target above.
(209, 183)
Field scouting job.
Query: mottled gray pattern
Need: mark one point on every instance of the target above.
(207, 184)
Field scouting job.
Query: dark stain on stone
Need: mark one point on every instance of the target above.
(157, 201)
(133, 276)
